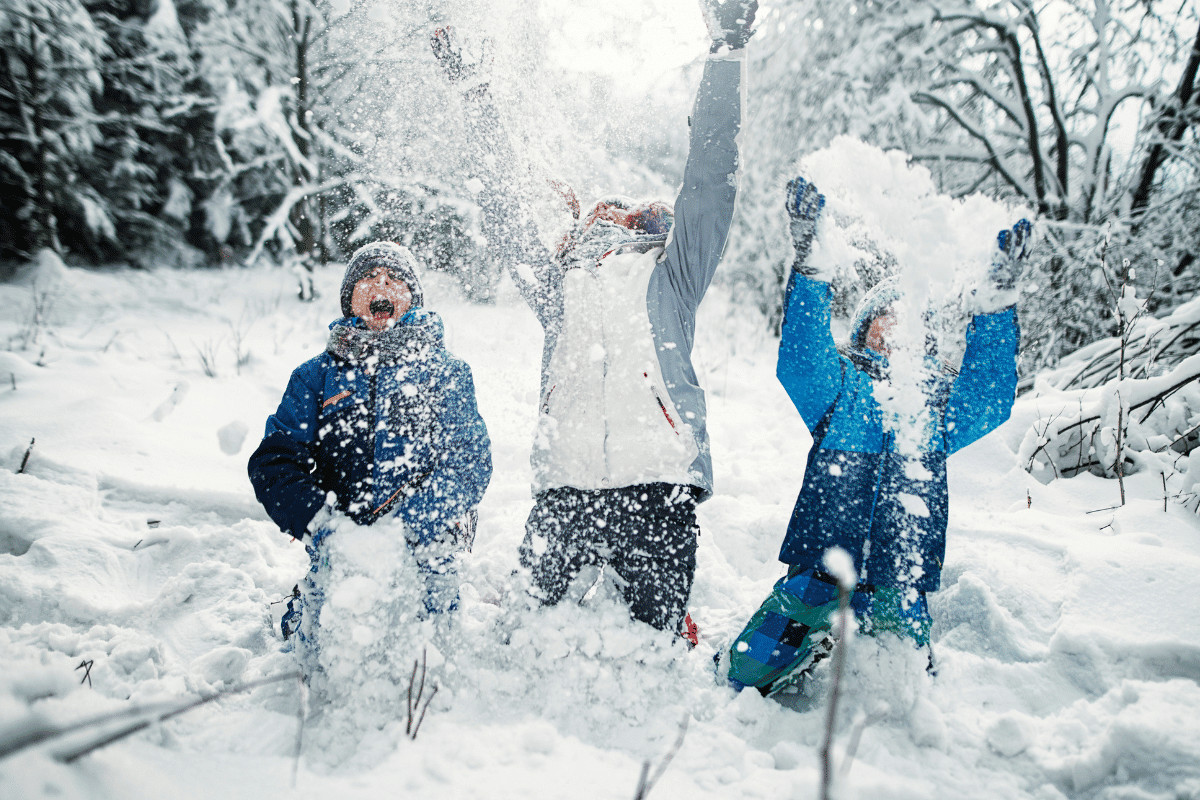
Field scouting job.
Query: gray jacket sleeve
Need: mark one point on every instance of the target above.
(507, 226)
(704, 207)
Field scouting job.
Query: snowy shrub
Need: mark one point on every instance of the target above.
(1125, 404)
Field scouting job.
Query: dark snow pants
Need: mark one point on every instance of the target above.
(645, 533)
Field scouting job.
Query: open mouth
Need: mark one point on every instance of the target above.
(382, 308)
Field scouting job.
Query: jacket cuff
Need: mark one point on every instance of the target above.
(320, 520)
(989, 299)
(724, 52)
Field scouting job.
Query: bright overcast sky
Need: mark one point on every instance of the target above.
(633, 40)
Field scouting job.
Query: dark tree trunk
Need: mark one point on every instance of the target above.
(1173, 121)
(302, 213)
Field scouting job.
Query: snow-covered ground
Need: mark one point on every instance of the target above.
(1067, 642)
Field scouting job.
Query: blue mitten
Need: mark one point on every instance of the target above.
(729, 22)
(804, 204)
(1012, 248)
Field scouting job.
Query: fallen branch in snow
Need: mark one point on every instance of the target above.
(80, 751)
(1144, 420)
(645, 781)
(411, 728)
(37, 729)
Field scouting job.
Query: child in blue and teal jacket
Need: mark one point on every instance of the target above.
(383, 424)
(885, 508)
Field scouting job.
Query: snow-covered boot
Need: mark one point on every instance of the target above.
(788, 635)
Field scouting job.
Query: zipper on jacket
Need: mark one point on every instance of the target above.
(374, 430)
(386, 504)
(337, 398)
(658, 400)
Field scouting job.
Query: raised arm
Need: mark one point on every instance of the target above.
(982, 395)
(507, 226)
(981, 398)
(809, 367)
(705, 205)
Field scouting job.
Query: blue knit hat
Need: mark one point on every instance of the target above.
(397, 260)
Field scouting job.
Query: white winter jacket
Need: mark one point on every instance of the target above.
(620, 403)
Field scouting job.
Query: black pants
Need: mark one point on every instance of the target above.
(645, 533)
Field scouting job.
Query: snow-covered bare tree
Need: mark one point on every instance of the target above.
(260, 57)
(1081, 111)
(1048, 97)
(1164, 199)
(332, 136)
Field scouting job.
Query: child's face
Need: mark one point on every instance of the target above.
(380, 300)
(878, 332)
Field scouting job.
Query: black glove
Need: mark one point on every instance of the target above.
(804, 204)
(729, 22)
(1012, 248)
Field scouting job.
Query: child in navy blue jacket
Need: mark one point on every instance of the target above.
(383, 424)
(886, 508)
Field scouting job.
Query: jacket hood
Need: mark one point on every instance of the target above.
(874, 304)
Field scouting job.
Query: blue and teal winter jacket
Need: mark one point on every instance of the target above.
(859, 493)
(377, 426)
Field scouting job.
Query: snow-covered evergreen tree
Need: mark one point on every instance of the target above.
(50, 54)
(153, 118)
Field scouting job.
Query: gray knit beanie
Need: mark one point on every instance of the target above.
(397, 260)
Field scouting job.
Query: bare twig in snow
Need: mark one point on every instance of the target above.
(241, 352)
(86, 665)
(414, 702)
(856, 737)
(208, 357)
(301, 714)
(646, 781)
(1119, 466)
(839, 666)
(28, 451)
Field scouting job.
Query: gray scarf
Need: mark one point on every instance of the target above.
(605, 236)
(405, 341)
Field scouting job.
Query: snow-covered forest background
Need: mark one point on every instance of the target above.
(182, 182)
(215, 133)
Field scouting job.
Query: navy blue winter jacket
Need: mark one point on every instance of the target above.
(859, 493)
(387, 431)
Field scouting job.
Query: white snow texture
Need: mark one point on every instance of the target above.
(132, 549)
